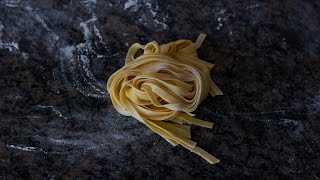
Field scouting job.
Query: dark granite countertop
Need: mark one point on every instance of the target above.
(57, 121)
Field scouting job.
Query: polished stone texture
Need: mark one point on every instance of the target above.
(57, 121)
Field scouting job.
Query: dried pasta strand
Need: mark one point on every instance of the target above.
(162, 87)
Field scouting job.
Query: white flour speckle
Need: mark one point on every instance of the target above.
(253, 6)
(219, 26)
(12, 46)
(100, 56)
(89, 2)
(219, 17)
(97, 32)
(11, 3)
(30, 149)
(148, 13)
(149, 6)
(67, 51)
(56, 111)
(41, 21)
(131, 4)
(25, 55)
(67, 142)
(75, 59)
(164, 25)
(221, 12)
(85, 30)
(284, 41)
(52, 37)
(28, 8)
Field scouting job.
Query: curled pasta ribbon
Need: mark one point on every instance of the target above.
(162, 87)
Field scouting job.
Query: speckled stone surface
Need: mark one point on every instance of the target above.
(57, 121)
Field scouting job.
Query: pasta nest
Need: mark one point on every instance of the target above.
(162, 87)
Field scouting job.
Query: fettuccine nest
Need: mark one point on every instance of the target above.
(162, 87)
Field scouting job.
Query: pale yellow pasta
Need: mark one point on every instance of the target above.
(162, 87)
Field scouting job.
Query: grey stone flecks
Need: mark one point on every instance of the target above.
(57, 120)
